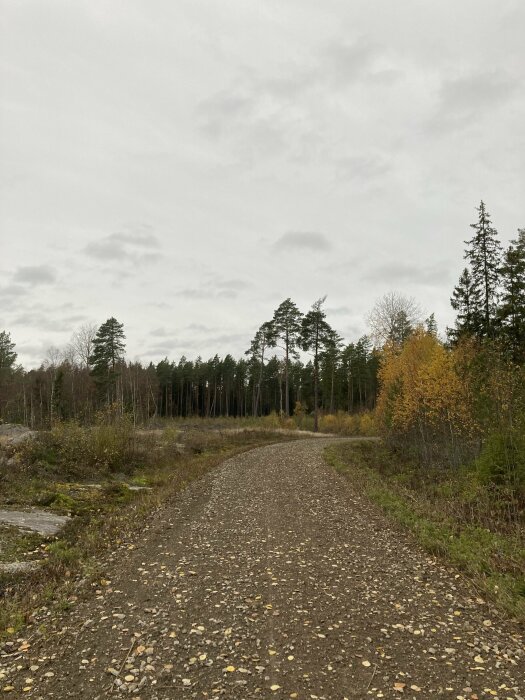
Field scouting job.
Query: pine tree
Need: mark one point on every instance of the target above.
(108, 352)
(484, 254)
(7, 352)
(466, 300)
(316, 335)
(287, 326)
(263, 339)
(511, 312)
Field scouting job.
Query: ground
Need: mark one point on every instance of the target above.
(271, 577)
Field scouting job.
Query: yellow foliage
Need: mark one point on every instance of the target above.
(422, 391)
(343, 423)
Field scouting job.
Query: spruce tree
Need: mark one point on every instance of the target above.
(466, 300)
(431, 325)
(287, 326)
(511, 313)
(484, 255)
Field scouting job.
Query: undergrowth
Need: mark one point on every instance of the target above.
(108, 515)
(449, 514)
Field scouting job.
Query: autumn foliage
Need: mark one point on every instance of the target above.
(460, 407)
(424, 403)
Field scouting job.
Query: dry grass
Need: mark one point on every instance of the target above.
(165, 461)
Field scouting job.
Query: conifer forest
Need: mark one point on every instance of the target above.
(446, 399)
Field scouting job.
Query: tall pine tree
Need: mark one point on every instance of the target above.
(287, 326)
(108, 353)
(316, 336)
(7, 352)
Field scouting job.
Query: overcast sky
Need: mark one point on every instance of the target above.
(186, 165)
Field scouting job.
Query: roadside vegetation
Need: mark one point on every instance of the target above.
(453, 515)
(111, 478)
(450, 412)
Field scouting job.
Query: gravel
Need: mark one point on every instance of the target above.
(272, 577)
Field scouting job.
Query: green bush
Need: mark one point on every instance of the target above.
(502, 461)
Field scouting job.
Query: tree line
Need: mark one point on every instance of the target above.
(295, 363)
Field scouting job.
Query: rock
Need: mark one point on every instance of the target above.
(40, 521)
(18, 567)
(14, 434)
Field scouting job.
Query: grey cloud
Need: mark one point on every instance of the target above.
(142, 239)
(161, 349)
(199, 328)
(361, 168)
(12, 291)
(465, 99)
(348, 61)
(230, 339)
(303, 240)
(35, 274)
(400, 272)
(233, 284)
(194, 293)
(219, 111)
(123, 246)
(268, 115)
(206, 293)
(338, 311)
(41, 321)
(159, 332)
(227, 294)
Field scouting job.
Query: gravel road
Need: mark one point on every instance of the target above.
(272, 577)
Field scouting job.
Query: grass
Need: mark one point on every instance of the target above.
(340, 423)
(437, 509)
(104, 516)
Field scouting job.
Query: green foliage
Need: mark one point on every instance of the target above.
(484, 255)
(108, 353)
(61, 553)
(502, 462)
(466, 301)
(317, 336)
(451, 514)
(511, 312)
(7, 352)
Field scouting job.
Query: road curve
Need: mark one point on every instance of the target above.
(272, 577)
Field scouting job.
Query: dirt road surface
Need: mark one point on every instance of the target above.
(272, 577)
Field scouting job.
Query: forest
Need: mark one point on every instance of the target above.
(445, 400)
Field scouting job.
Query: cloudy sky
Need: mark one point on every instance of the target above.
(185, 166)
